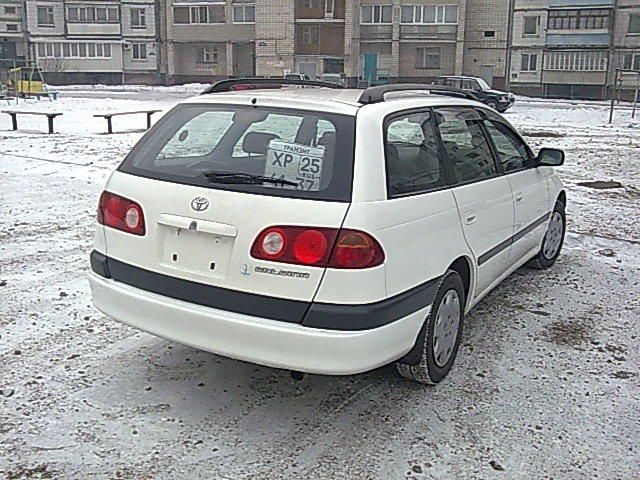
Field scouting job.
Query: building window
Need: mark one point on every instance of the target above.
(631, 61)
(489, 33)
(198, 15)
(588, 19)
(577, 61)
(73, 50)
(10, 10)
(244, 13)
(529, 62)
(12, 27)
(45, 16)
(329, 6)
(310, 3)
(531, 25)
(208, 55)
(428, 58)
(93, 14)
(139, 51)
(429, 14)
(310, 36)
(634, 23)
(138, 18)
(375, 14)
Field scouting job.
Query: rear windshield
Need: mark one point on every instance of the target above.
(232, 147)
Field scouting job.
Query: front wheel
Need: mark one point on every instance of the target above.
(553, 240)
(493, 104)
(441, 332)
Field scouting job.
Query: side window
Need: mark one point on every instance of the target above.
(413, 163)
(470, 85)
(512, 152)
(465, 144)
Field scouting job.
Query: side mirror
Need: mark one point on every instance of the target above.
(550, 157)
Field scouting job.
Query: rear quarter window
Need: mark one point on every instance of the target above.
(198, 144)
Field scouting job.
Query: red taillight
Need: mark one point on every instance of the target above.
(320, 247)
(120, 213)
(356, 249)
(310, 247)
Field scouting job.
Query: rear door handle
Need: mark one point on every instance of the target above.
(470, 218)
(519, 197)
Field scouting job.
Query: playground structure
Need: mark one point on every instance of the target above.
(24, 81)
(621, 79)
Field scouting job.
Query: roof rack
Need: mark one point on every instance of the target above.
(376, 94)
(249, 83)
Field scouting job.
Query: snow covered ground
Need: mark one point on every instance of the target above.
(546, 384)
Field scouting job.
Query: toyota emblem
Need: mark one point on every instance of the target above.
(199, 204)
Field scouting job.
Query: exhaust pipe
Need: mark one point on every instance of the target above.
(297, 376)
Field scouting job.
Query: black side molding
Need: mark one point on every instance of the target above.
(311, 314)
(485, 257)
(371, 315)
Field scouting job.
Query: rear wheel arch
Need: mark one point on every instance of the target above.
(462, 265)
(562, 198)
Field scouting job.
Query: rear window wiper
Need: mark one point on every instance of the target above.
(246, 178)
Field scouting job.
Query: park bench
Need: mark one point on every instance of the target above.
(14, 117)
(108, 116)
(50, 95)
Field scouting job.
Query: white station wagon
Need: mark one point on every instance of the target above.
(323, 230)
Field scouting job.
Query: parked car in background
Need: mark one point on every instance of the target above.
(496, 99)
(297, 76)
(337, 78)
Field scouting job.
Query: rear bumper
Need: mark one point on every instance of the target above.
(258, 340)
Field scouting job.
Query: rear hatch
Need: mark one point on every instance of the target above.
(210, 177)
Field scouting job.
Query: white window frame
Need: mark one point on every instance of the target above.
(139, 52)
(439, 14)
(536, 19)
(210, 55)
(429, 52)
(90, 13)
(198, 11)
(49, 15)
(71, 50)
(576, 61)
(634, 61)
(531, 58)
(140, 14)
(329, 8)
(631, 15)
(244, 7)
(376, 14)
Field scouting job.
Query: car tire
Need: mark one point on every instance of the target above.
(552, 241)
(437, 357)
(493, 104)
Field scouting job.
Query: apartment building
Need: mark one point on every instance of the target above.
(370, 40)
(80, 41)
(13, 46)
(208, 40)
(626, 42)
(563, 48)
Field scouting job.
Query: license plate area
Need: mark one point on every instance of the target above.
(194, 251)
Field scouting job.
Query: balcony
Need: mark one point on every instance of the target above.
(325, 10)
(93, 29)
(376, 32)
(578, 39)
(325, 39)
(581, 3)
(428, 32)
